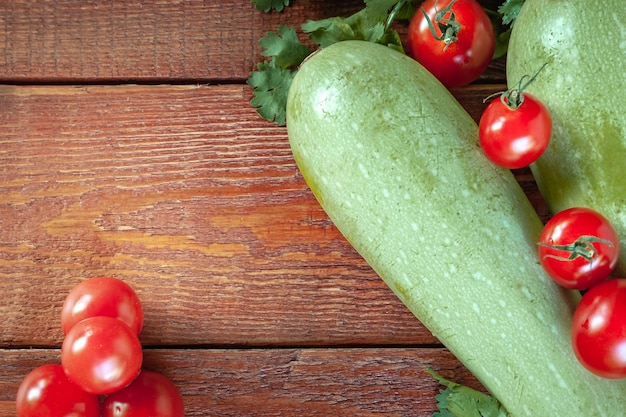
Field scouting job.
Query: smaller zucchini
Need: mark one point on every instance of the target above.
(582, 86)
(394, 160)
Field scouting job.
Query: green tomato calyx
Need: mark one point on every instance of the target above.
(446, 23)
(580, 248)
(514, 96)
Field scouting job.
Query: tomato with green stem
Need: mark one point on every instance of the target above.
(453, 39)
(599, 329)
(515, 130)
(47, 391)
(578, 247)
(102, 296)
(101, 354)
(150, 394)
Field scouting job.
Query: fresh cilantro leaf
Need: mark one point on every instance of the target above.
(366, 24)
(509, 10)
(285, 48)
(502, 32)
(460, 401)
(401, 9)
(273, 78)
(375, 33)
(328, 31)
(502, 43)
(267, 5)
(271, 85)
(380, 7)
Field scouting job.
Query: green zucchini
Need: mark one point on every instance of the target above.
(394, 160)
(583, 44)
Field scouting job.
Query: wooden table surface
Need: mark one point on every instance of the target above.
(128, 148)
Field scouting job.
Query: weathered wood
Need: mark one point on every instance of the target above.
(141, 40)
(145, 41)
(282, 382)
(186, 194)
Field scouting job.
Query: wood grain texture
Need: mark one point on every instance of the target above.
(147, 41)
(194, 200)
(139, 40)
(283, 382)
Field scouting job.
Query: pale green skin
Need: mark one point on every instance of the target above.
(393, 159)
(583, 44)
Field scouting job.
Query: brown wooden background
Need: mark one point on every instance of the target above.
(128, 148)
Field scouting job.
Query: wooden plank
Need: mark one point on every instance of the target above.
(144, 41)
(137, 40)
(185, 193)
(282, 382)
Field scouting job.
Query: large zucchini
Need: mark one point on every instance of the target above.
(393, 159)
(583, 44)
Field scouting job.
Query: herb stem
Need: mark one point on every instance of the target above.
(394, 11)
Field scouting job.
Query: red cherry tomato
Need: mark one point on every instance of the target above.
(150, 394)
(101, 354)
(103, 296)
(578, 247)
(462, 44)
(47, 391)
(599, 329)
(515, 137)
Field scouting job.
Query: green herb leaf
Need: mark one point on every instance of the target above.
(285, 48)
(460, 401)
(271, 85)
(509, 10)
(366, 24)
(502, 32)
(328, 31)
(359, 26)
(267, 5)
(272, 80)
(285, 51)
(380, 7)
(502, 43)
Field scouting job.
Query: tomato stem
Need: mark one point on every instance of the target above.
(448, 27)
(581, 247)
(514, 97)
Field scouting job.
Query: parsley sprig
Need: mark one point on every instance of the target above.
(509, 10)
(269, 5)
(284, 51)
(460, 401)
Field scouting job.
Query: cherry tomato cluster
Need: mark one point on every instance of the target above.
(100, 373)
(455, 41)
(579, 249)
